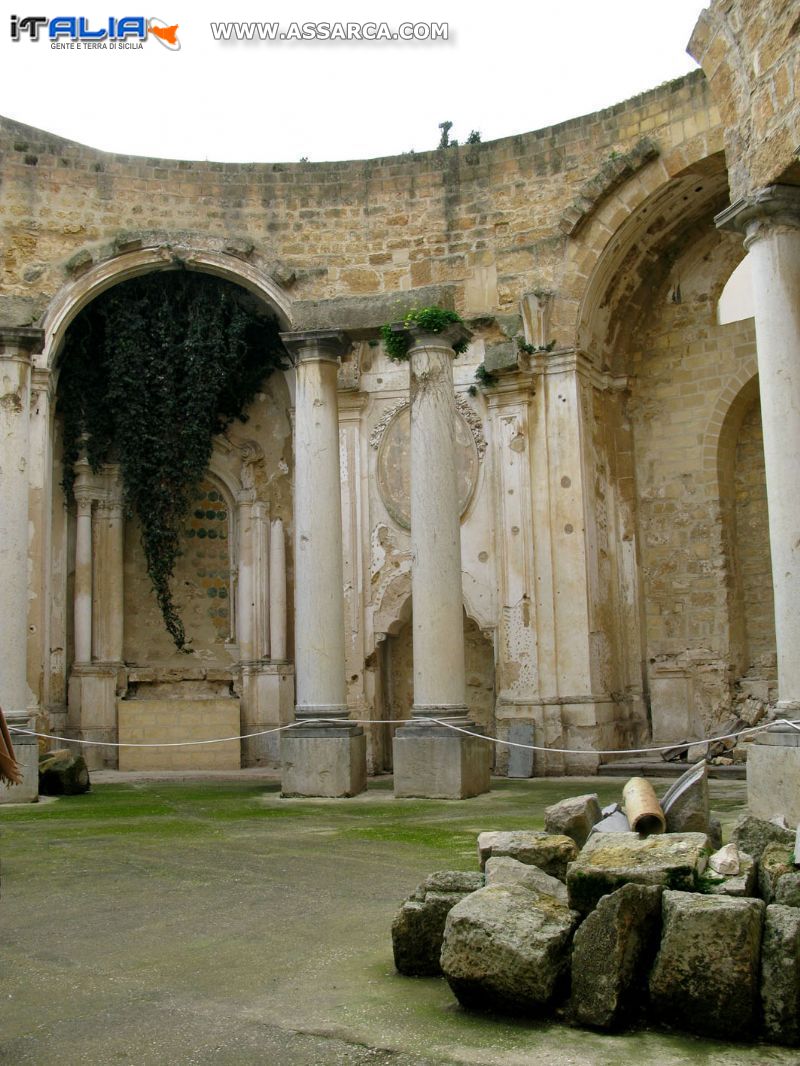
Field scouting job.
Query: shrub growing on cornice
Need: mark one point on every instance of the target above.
(430, 319)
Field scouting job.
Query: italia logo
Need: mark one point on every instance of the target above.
(77, 29)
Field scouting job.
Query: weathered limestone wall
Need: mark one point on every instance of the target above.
(752, 543)
(486, 218)
(693, 548)
(748, 51)
(612, 534)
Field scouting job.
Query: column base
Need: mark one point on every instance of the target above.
(92, 700)
(328, 760)
(26, 750)
(773, 775)
(434, 762)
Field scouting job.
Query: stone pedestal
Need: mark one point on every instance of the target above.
(26, 750)
(435, 762)
(324, 759)
(773, 775)
(320, 760)
(431, 760)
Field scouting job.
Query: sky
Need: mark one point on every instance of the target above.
(505, 68)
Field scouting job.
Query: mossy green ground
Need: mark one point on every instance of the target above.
(207, 921)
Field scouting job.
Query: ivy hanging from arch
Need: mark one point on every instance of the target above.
(150, 371)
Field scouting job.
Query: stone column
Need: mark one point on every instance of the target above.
(82, 600)
(770, 220)
(330, 759)
(245, 606)
(277, 591)
(16, 348)
(108, 578)
(430, 759)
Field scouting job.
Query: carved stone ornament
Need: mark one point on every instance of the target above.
(391, 438)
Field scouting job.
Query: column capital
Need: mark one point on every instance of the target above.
(316, 345)
(761, 211)
(15, 340)
(423, 338)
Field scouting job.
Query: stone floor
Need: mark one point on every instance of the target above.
(210, 921)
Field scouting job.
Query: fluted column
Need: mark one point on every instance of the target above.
(429, 759)
(16, 348)
(770, 220)
(327, 760)
(82, 599)
(108, 550)
(277, 591)
(245, 607)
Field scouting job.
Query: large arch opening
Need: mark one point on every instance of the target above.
(215, 425)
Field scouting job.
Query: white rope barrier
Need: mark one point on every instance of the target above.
(405, 721)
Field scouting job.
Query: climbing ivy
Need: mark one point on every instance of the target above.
(431, 319)
(150, 372)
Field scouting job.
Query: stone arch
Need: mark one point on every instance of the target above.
(635, 230)
(75, 295)
(738, 465)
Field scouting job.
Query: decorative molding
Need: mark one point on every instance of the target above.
(470, 416)
(380, 427)
(475, 423)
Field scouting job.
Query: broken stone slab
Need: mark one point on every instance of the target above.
(705, 977)
(743, 883)
(617, 822)
(611, 953)
(726, 861)
(787, 891)
(611, 860)
(63, 773)
(549, 852)
(507, 947)
(686, 802)
(418, 928)
(776, 862)
(609, 809)
(753, 834)
(573, 817)
(501, 870)
(780, 974)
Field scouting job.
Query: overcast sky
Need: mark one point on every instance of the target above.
(506, 68)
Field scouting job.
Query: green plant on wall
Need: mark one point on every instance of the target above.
(429, 319)
(150, 371)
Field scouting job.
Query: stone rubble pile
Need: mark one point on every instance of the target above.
(604, 927)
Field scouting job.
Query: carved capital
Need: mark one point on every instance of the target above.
(316, 345)
(21, 340)
(762, 212)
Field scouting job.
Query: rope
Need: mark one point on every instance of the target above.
(405, 721)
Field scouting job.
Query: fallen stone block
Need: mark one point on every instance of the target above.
(611, 860)
(787, 891)
(705, 977)
(743, 883)
(616, 822)
(686, 802)
(418, 929)
(611, 953)
(501, 870)
(776, 862)
(550, 853)
(753, 834)
(507, 947)
(780, 974)
(573, 817)
(63, 773)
